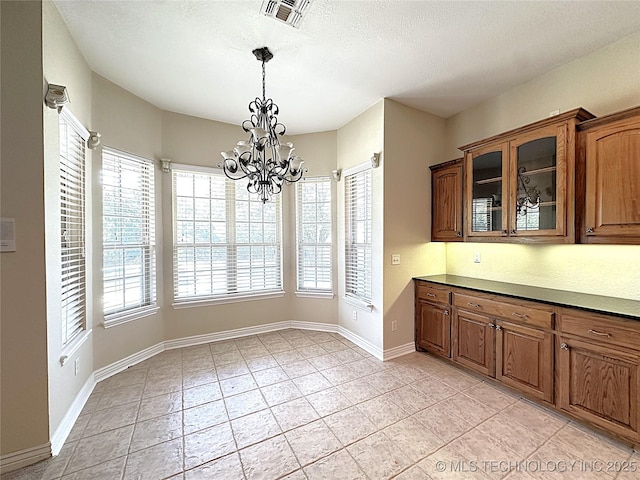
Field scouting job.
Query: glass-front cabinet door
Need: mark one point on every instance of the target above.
(487, 191)
(537, 183)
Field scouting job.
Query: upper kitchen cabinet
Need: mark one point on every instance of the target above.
(519, 185)
(608, 191)
(446, 202)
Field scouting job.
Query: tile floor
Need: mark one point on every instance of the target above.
(311, 405)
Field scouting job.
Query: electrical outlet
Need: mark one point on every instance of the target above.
(354, 316)
(395, 259)
(76, 366)
(394, 325)
(476, 257)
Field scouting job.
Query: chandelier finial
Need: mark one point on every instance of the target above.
(265, 162)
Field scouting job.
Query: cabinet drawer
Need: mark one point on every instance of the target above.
(608, 330)
(525, 314)
(432, 294)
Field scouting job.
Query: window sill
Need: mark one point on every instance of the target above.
(126, 317)
(356, 302)
(221, 301)
(73, 347)
(309, 294)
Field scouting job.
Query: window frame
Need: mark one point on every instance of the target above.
(352, 291)
(147, 217)
(302, 291)
(230, 225)
(72, 197)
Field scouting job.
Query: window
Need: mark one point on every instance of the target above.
(313, 235)
(358, 235)
(72, 226)
(482, 216)
(226, 242)
(128, 234)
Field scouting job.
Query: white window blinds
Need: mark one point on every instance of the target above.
(313, 235)
(226, 242)
(72, 138)
(128, 233)
(358, 235)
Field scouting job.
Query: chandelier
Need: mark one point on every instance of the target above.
(263, 160)
(527, 198)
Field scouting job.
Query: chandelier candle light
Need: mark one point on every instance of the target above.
(266, 162)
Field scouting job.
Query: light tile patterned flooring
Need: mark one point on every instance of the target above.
(311, 405)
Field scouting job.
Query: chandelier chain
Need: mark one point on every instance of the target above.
(264, 95)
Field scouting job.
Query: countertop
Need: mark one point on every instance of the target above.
(595, 303)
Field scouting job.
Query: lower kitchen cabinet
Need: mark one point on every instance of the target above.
(474, 341)
(524, 359)
(600, 385)
(433, 328)
(579, 362)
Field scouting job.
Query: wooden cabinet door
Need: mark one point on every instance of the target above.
(524, 359)
(612, 170)
(600, 385)
(538, 184)
(474, 341)
(433, 328)
(446, 202)
(486, 191)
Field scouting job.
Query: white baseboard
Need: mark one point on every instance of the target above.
(315, 326)
(22, 458)
(395, 352)
(121, 365)
(64, 428)
(361, 342)
(226, 335)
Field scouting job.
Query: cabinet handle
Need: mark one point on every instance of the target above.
(504, 232)
(564, 346)
(446, 312)
(513, 231)
(520, 315)
(473, 305)
(431, 295)
(589, 229)
(498, 327)
(491, 325)
(602, 334)
(458, 234)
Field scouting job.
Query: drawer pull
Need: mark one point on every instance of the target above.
(520, 315)
(589, 229)
(473, 304)
(498, 327)
(446, 312)
(458, 234)
(564, 346)
(602, 334)
(491, 325)
(431, 295)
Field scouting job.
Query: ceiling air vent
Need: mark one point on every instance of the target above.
(287, 11)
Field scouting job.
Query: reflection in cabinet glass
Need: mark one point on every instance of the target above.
(486, 207)
(536, 185)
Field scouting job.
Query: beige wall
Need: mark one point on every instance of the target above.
(23, 349)
(63, 64)
(413, 140)
(132, 125)
(319, 151)
(603, 82)
(356, 142)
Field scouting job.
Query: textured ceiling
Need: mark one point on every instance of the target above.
(194, 57)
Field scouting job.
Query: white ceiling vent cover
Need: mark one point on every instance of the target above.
(286, 11)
